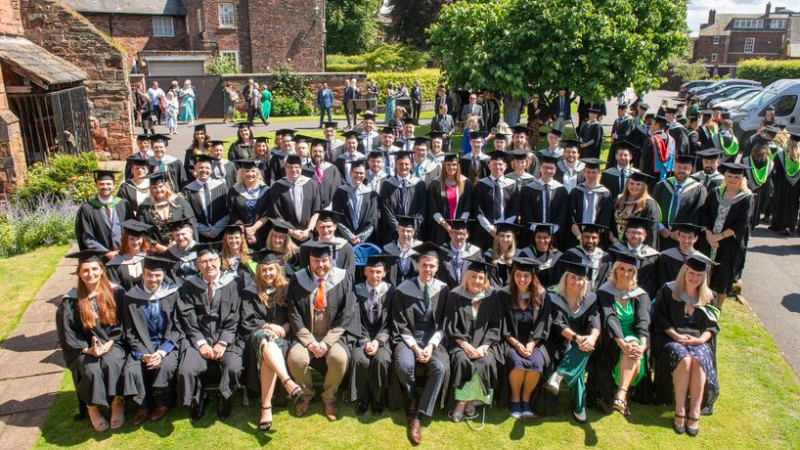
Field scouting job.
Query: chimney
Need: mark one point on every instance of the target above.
(712, 16)
(769, 7)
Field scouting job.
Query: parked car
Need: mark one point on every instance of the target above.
(722, 83)
(733, 103)
(741, 96)
(692, 84)
(725, 92)
(782, 95)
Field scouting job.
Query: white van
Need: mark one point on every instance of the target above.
(782, 95)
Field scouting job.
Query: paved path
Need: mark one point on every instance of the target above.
(31, 366)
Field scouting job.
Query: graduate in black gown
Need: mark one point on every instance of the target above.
(449, 198)
(759, 179)
(222, 169)
(589, 253)
(709, 176)
(473, 322)
(453, 266)
(657, 155)
(325, 175)
(266, 333)
(210, 311)
(183, 252)
(277, 158)
(351, 151)
(162, 208)
(545, 252)
(422, 166)
(143, 153)
(243, 147)
(417, 320)
(154, 334)
(544, 201)
(136, 187)
(359, 204)
(248, 203)
(195, 149)
(342, 254)
(635, 238)
(635, 201)
(294, 198)
(401, 194)
(680, 199)
(786, 198)
(670, 261)
(372, 351)
(685, 327)
(591, 135)
(589, 202)
(493, 201)
(619, 366)
(235, 254)
(126, 268)
(208, 198)
(168, 164)
(569, 169)
(99, 219)
(89, 328)
(502, 253)
(616, 174)
(402, 248)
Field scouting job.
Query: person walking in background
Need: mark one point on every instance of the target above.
(266, 103)
(254, 105)
(416, 101)
(143, 109)
(349, 94)
(157, 96)
(561, 110)
(186, 97)
(229, 98)
(390, 97)
(171, 108)
(324, 103)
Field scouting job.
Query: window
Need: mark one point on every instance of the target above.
(785, 106)
(199, 20)
(162, 27)
(233, 55)
(226, 15)
(713, 57)
(778, 23)
(748, 23)
(749, 45)
(716, 40)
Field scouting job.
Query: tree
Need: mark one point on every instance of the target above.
(351, 25)
(411, 20)
(596, 48)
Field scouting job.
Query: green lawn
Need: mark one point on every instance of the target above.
(759, 408)
(22, 276)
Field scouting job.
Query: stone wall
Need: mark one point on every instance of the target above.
(10, 21)
(704, 47)
(65, 33)
(14, 169)
(135, 32)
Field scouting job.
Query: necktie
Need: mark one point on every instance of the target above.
(497, 197)
(426, 295)
(154, 309)
(373, 305)
(676, 203)
(319, 175)
(403, 196)
(319, 300)
(475, 165)
(356, 211)
(207, 199)
(109, 212)
(546, 201)
(211, 295)
(622, 176)
(418, 171)
(457, 262)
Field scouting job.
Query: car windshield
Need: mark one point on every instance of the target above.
(744, 94)
(757, 101)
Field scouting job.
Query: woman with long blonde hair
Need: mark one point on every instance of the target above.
(786, 197)
(266, 321)
(449, 198)
(247, 203)
(635, 201)
(279, 240)
(89, 327)
(503, 251)
(235, 254)
(685, 326)
(162, 207)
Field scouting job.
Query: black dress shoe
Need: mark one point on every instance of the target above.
(198, 410)
(223, 407)
(377, 408)
(362, 407)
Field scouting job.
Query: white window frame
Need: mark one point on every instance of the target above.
(713, 57)
(160, 28)
(778, 23)
(748, 23)
(716, 40)
(749, 44)
(200, 20)
(223, 12)
(234, 53)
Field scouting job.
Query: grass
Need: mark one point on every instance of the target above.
(23, 276)
(759, 408)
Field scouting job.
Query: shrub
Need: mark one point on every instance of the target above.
(291, 94)
(395, 56)
(344, 59)
(346, 67)
(284, 106)
(66, 176)
(26, 226)
(429, 80)
(768, 72)
(223, 65)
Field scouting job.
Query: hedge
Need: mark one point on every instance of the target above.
(346, 67)
(766, 71)
(429, 80)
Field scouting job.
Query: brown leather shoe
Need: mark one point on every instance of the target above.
(301, 408)
(414, 431)
(159, 412)
(140, 417)
(331, 411)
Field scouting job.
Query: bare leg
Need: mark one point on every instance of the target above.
(99, 423)
(267, 377)
(680, 379)
(531, 381)
(697, 385)
(628, 370)
(273, 357)
(117, 412)
(515, 380)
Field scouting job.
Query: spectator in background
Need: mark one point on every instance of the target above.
(390, 97)
(229, 98)
(186, 98)
(372, 90)
(561, 110)
(349, 94)
(143, 109)
(441, 97)
(246, 90)
(157, 96)
(511, 109)
(254, 105)
(416, 101)
(473, 109)
(324, 103)
(266, 103)
(171, 109)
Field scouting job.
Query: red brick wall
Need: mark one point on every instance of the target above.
(704, 47)
(288, 31)
(768, 45)
(135, 32)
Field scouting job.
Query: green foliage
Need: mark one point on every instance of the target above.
(686, 69)
(68, 176)
(27, 226)
(285, 106)
(350, 25)
(291, 94)
(766, 71)
(411, 20)
(596, 48)
(395, 57)
(223, 65)
(429, 80)
(346, 67)
(344, 59)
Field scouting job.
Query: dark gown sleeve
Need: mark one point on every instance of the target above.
(642, 322)
(662, 318)
(189, 315)
(70, 331)
(399, 322)
(543, 322)
(454, 318)
(230, 323)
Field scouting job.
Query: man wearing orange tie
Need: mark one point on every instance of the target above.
(322, 310)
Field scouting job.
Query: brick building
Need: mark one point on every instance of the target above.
(177, 37)
(727, 39)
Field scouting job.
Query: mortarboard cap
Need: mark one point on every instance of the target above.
(661, 120)
(525, 264)
(207, 247)
(159, 138)
(246, 163)
(421, 140)
(205, 158)
(451, 157)
(479, 266)
(406, 221)
(243, 125)
(136, 228)
(326, 215)
(436, 135)
(402, 154)
(216, 142)
(180, 224)
(477, 134)
(593, 163)
(700, 262)
(263, 139)
(500, 136)
(578, 268)
(361, 162)
(285, 131)
(380, 260)
(685, 158)
(735, 168)
(688, 228)
(429, 249)
(644, 106)
(351, 134)
(710, 153)
(460, 224)
(143, 137)
(85, 256)
(153, 263)
(639, 222)
(293, 159)
(552, 131)
(200, 127)
(507, 227)
(640, 177)
(543, 227)
(156, 178)
(520, 154)
(102, 174)
(570, 143)
(268, 257)
(387, 130)
(331, 124)
(520, 129)
(408, 120)
(235, 227)
(320, 249)
(137, 160)
(499, 156)
(626, 257)
(368, 115)
(592, 227)
(548, 159)
(280, 225)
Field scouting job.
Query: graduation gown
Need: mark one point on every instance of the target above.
(646, 276)
(174, 170)
(721, 141)
(577, 202)
(128, 165)
(370, 374)
(613, 181)
(484, 208)
(709, 182)
(651, 162)
(342, 162)
(786, 197)
(178, 209)
(499, 276)
(532, 209)
(731, 251)
(331, 180)
(762, 193)
(340, 300)
(650, 211)
(591, 133)
(404, 267)
(211, 321)
(390, 197)
(189, 159)
(681, 136)
(669, 313)
(689, 203)
(248, 207)
(477, 171)
(145, 337)
(134, 194)
(367, 213)
(622, 129)
(240, 150)
(575, 175)
(477, 330)
(209, 227)
(275, 166)
(375, 180)
(669, 263)
(548, 270)
(280, 205)
(96, 379)
(185, 265)
(343, 256)
(94, 230)
(428, 170)
(255, 314)
(438, 208)
(600, 262)
(225, 170)
(125, 272)
(449, 272)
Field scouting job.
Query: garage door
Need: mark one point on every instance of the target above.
(175, 68)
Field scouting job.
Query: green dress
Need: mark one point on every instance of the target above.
(626, 318)
(266, 103)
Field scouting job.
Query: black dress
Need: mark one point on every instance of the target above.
(786, 198)
(719, 215)
(528, 325)
(178, 209)
(96, 379)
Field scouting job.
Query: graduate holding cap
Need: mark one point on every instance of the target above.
(125, 269)
(89, 328)
(680, 199)
(153, 333)
(98, 222)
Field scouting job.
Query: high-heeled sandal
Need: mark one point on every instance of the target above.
(679, 429)
(620, 404)
(296, 393)
(266, 425)
(693, 431)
